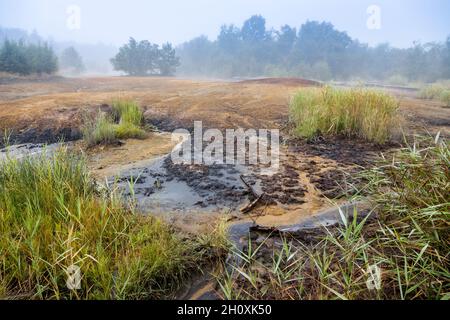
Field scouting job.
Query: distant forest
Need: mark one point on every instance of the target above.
(317, 50)
(95, 57)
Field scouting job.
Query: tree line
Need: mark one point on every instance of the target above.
(134, 58)
(316, 50)
(27, 58)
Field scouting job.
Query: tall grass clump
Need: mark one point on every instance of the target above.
(125, 121)
(438, 91)
(445, 97)
(53, 217)
(127, 111)
(432, 91)
(406, 237)
(97, 130)
(367, 114)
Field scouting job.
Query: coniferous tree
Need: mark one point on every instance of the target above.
(25, 59)
(167, 60)
(71, 60)
(13, 58)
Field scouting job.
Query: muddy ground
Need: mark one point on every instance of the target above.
(310, 174)
(314, 176)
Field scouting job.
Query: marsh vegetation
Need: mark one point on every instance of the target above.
(367, 114)
(405, 235)
(53, 216)
(125, 121)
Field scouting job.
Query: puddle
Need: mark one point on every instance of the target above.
(162, 186)
(19, 151)
(191, 195)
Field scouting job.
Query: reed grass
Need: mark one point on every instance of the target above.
(124, 122)
(438, 91)
(367, 114)
(127, 111)
(406, 236)
(52, 216)
(445, 97)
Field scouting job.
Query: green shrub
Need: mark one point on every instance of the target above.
(127, 111)
(53, 217)
(125, 130)
(124, 122)
(24, 59)
(431, 91)
(367, 114)
(99, 130)
(445, 97)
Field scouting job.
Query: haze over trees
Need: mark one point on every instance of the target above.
(144, 58)
(24, 59)
(71, 61)
(95, 56)
(316, 50)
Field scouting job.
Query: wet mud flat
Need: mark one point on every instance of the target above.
(163, 185)
(309, 174)
(333, 164)
(18, 151)
(312, 177)
(33, 136)
(318, 170)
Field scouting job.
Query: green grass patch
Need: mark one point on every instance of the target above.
(127, 130)
(100, 129)
(367, 114)
(445, 97)
(127, 111)
(437, 91)
(430, 92)
(52, 217)
(406, 237)
(125, 121)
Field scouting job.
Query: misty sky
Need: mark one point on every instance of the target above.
(113, 22)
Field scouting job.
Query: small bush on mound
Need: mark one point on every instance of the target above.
(99, 130)
(408, 240)
(368, 114)
(127, 130)
(124, 122)
(445, 97)
(52, 217)
(439, 91)
(127, 111)
(431, 92)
